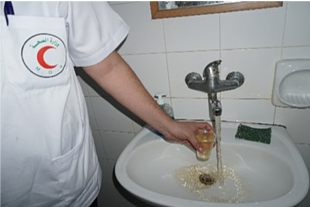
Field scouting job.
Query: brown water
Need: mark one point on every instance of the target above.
(219, 150)
(233, 190)
(226, 185)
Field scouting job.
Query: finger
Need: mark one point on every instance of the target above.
(194, 142)
(204, 125)
(195, 146)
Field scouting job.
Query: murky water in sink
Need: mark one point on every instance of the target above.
(233, 189)
(228, 186)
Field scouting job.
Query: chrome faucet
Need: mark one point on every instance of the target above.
(212, 84)
(216, 106)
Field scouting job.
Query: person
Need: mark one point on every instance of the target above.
(48, 154)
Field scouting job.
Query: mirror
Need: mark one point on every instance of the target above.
(167, 9)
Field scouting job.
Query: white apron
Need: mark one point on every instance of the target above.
(48, 156)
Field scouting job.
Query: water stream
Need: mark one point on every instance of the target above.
(227, 186)
(219, 151)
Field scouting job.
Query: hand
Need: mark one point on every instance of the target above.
(185, 132)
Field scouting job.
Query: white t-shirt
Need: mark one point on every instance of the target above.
(48, 156)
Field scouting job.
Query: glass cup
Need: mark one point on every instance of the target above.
(206, 139)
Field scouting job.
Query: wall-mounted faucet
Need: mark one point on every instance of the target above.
(211, 84)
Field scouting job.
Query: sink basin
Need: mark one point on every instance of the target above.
(265, 174)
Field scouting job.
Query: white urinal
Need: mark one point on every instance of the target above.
(291, 86)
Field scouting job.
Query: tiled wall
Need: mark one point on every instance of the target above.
(162, 52)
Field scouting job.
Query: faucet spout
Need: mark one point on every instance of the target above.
(212, 84)
(216, 106)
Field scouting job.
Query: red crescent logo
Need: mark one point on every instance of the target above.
(41, 60)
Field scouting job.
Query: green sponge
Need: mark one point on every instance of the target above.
(253, 134)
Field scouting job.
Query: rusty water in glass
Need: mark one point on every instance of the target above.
(206, 139)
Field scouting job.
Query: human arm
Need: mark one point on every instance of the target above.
(116, 77)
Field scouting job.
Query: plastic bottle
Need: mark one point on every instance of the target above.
(166, 107)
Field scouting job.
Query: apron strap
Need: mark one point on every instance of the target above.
(8, 10)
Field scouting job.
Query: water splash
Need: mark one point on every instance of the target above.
(232, 191)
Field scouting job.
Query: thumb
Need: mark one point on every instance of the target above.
(196, 144)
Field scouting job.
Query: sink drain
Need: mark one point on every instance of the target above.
(206, 179)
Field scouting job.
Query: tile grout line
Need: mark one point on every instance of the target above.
(167, 65)
(284, 29)
(281, 57)
(220, 50)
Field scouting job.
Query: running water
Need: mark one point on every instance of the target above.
(219, 151)
(234, 190)
(207, 181)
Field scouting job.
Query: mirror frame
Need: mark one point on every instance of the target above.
(220, 8)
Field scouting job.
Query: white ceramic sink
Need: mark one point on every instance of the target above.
(271, 175)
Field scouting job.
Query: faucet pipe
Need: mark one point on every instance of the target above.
(216, 106)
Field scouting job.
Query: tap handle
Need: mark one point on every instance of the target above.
(212, 68)
(236, 76)
(192, 77)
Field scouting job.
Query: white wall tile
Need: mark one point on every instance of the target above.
(111, 164)
(83, 85)
(297, 122)
(181, 64)
(297, 28)
(191, 109)
(145, 35)
(137, 127)
(257, 66)
(296, 52)
(114, 143)
(106, 173)
(260, 111)
(108, 117)
(254, 28)
(92, 91)
(192, 33)
(98, 144)
(151, 70)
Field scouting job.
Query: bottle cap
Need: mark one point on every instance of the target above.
(159, 98)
